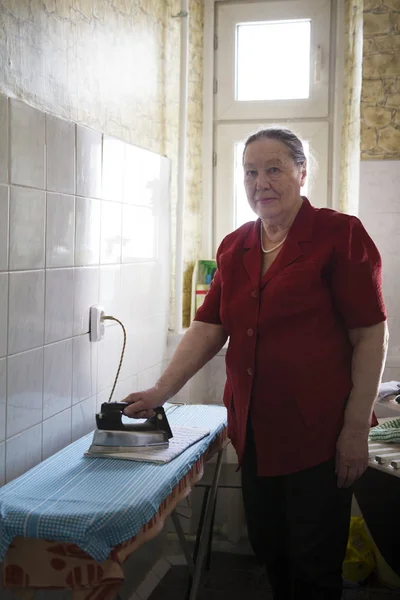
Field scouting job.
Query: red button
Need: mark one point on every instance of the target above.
(250, 332)
(250, 371)
(254, 293)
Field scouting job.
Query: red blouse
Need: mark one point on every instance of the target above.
(288, 362)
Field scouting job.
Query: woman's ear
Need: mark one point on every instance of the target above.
(303, 173)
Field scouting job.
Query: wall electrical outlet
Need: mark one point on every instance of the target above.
(96, 325)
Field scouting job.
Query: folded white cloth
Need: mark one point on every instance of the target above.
(388, 388)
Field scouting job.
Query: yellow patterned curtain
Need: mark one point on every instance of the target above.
(350, 151)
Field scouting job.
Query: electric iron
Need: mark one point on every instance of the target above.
(114, 436)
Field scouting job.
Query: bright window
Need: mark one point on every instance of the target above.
(265, 69)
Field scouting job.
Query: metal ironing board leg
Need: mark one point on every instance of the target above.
(210, 537)
(183, 542)
(205, 529)
(198, 535)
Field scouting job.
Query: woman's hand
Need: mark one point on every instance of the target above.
(143, 403)
(351, 455)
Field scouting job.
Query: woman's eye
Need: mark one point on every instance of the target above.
(274, 170)
(250, 173)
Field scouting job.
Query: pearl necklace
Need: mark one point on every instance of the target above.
(272, 249)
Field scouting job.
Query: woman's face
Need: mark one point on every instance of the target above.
(271, 178)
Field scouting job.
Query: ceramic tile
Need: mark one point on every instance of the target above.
(4, 139)
(110, 292)
(394, 335)
(23, 452)
(207, 386)
(86, 294)
(131, 356)
(2, 464)
(122, 390)
(84, 355)
(4, 209)
(57, 383)
(104, 396)
(83, 418)
(27, 127)
(3, 313)
(391, 285)
(126, 387)
(141, 291)
(142, 174)
(113, 166)
(148, 585)
(3, 393)
(27, 228)
(26, 311)
(87, 231)
(391, 373)
(379, 185)
(24, 391)
(88, 162)
(59, 310)
(56, 433)
(139, 233)
(146, 344)
(60, 148)
(60, 230)
(148, 378)
(383, 229)
(151, 341)
(111, 232)
(109, 354)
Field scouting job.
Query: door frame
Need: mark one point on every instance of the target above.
(208, 238)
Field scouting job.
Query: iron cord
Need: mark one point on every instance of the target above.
(110, 318)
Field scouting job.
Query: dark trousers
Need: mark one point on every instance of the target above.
(298, 526)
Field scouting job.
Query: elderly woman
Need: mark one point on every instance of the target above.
(298, 293)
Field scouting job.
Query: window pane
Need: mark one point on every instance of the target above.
(243, 213)
(273, 60)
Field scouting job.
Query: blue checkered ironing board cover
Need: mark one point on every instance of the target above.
(98, 503)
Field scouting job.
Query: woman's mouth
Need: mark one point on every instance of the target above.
(266, 200)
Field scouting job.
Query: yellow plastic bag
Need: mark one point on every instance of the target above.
(360, 554)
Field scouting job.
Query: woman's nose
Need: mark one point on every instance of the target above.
(263, 182)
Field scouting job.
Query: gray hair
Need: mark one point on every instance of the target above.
(283, 135)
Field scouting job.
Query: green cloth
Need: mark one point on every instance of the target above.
(386, 432)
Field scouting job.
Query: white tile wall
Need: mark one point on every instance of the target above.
(27, 129)
(24, 391)
(23, 452)
(3, 313)
(111, 233)
(79, 216)
(83, 417)
(88, 162)
(57, 379)
(110, 291)
(113, 168)
(59, 302)
(27, 228)
(60, 148)
(4, 139)
(84, 358)
(26, 311)
(3, 395)
(60, 230)
(56, 433)
(4, 207)
(86, 294)
(109, 351)
(2, 463)
(380, 214)
(87, 231)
